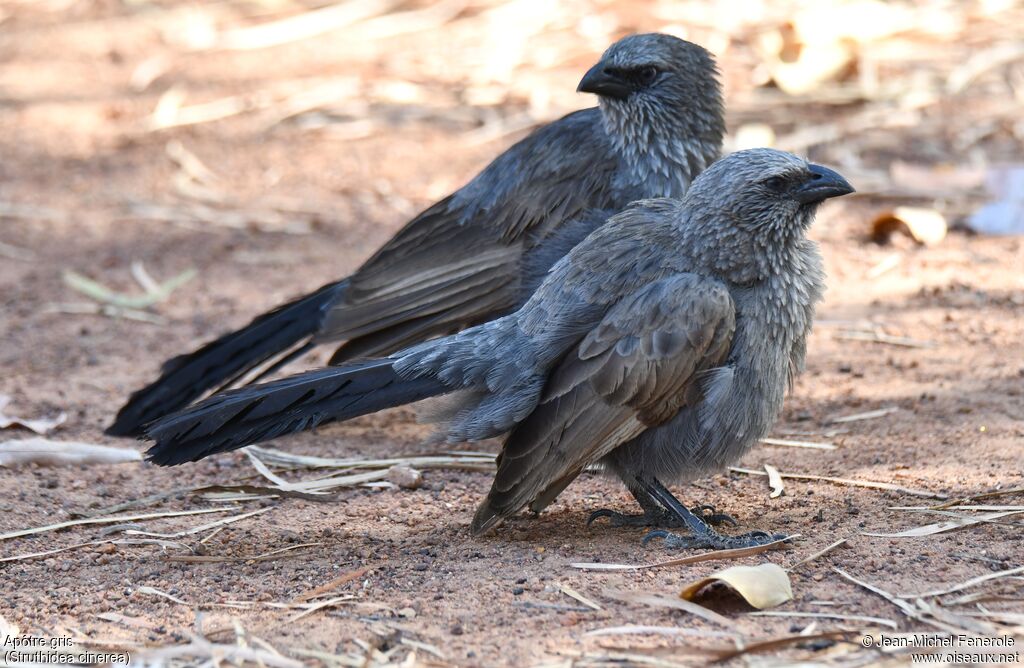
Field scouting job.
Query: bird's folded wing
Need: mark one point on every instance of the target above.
(460, 261)
(635, 370)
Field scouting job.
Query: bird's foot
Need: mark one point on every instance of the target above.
(658, 517)
(712, 540)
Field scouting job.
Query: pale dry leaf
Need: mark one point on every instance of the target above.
(662, 601)
(798, 444)
(41, 426)
(884, 266)
(636, 629)
(825, 615)
(148, 71)
(774, 481)
(942, 527)
(57, 550)
(820, 553)
(198, 529)
(875, 336)
(572, 593)
(153, 591)
(818, 63)
(925, 226)
(105, 295)
(973, 582)
(301, 26)
(764, 586)
(870, 484)
(125, 620)
(62, 453)
(775, 644)
(867, 415)
(715, 555)
(214, 655)
(107, 520)
(753, 135)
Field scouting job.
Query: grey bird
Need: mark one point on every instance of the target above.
(480, 252)
(659, 348)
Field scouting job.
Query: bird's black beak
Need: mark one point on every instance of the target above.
(603, 81)
(823, 184)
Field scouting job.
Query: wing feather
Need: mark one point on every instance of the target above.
(633, 371)
(461, 261)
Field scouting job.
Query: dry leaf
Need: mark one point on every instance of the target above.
(572, 593)
(41, 426)
(774, 481)
(817, 64)
(867, 415)
(404, 476)
(764, 586)
(62, 453)
(821, 43)
(942, 527)
(871, 484)
(120, 519)
(662, 601)
(753, 135)
(925, 226)
(714, 555)
(798, 444)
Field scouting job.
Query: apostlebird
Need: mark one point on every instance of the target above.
(659, 348)
(480, 252)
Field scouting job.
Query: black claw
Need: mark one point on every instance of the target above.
(597, 514)
(710, 514)
(719, 519)
(657, 533)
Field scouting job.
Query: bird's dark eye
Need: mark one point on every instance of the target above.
(775, 184)
(646, 74)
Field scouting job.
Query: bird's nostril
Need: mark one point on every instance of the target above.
(815, 177)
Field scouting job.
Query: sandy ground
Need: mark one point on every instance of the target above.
(75, 158)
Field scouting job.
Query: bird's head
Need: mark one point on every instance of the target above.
(750, 207)
(657, 82)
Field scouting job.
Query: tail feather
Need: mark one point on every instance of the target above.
(261, 412)
(222, 362)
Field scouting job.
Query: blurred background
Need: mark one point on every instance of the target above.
(127, 121)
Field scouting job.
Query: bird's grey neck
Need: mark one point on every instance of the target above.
(661, 156)
(780, 308)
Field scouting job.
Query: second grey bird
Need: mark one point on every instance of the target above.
(478, 253)
(660, 347)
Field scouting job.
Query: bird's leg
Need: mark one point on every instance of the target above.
(656, 515)
(700, 534)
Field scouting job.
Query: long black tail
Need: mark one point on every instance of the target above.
(187, 377)
(257, 413)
